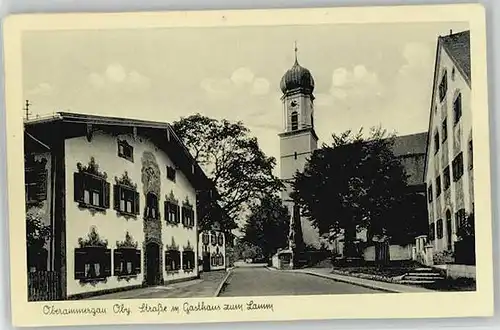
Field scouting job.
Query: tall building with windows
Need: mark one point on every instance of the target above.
(298, 139)
(120, 197)
(449, 160)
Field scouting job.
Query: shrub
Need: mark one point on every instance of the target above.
(443, 257)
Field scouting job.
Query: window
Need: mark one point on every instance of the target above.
(471, 158)
(92, 263)
(295, 155)
(446, 177)
(188, 261)
(213, 238)
(448, 229)
(35, 181)
(126, 199)
(295, 121)
(205, 238)
(91, 190)
(220, 239)
(459, 218)
(217, 259)
(429, 193)
(458, 167)
(443, 86)
(436, 142)
(444, 129)
(127, 261)
(432, 232)
(188, 216)
(151, 211)
(457, 108)
(125, 150)
(172, 260)
(453, 73)
(171, 173)
(312, 120)
(439, 229)
(438, 186)
(172, 212)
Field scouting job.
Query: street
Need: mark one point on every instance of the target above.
(260, 281)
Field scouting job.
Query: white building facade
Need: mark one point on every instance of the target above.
(449, 157)
(120, 199)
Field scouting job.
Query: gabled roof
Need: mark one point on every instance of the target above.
(75, 124)
(413, 144)
(457, 45)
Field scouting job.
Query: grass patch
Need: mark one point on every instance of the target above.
(389, 270)
(449, 284)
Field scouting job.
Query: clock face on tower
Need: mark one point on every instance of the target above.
(293, 104)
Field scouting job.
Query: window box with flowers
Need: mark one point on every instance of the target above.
(92, 259)
(172, 258)
(91, 190)
(126, 197)
(127, 259)
(172, 210)
(188, 258)
(187, 214)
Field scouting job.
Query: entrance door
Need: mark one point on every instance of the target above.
(382, 252)
(153, 263)
(206, 261)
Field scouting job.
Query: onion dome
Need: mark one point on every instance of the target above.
(297, 77)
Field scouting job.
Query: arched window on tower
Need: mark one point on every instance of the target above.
(295, 121)
(312, 120)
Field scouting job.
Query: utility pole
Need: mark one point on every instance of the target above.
(27, 109)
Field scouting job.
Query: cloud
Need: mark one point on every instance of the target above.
(417, 56)
(242, 81)
(358, 82)
(115, 75)
(43, 89)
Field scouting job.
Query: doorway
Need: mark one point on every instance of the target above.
(206, 261)
(152, 264)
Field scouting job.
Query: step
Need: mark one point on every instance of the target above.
(424, 269)
(423, 274)
(422, 278)
(417, 282)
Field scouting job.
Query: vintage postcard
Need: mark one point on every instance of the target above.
(250, 165)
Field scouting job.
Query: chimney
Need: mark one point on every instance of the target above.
(451, 32)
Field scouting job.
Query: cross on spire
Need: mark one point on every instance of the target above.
(296, 49)
(27, 109)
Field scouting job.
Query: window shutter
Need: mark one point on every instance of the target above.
(78, 186)
(117, 259)
(41, 185)
(116, 197)
(136, 202)
(166, 210)
(80, 257)
(106, 193)
(137, 261)
(107, 262)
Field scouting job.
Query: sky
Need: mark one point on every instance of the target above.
(366, 74)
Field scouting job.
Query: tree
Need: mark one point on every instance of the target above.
(353, 184)
(268, 225)
(232, 159)
(37, 232)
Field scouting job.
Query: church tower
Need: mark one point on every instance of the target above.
(298, 139)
